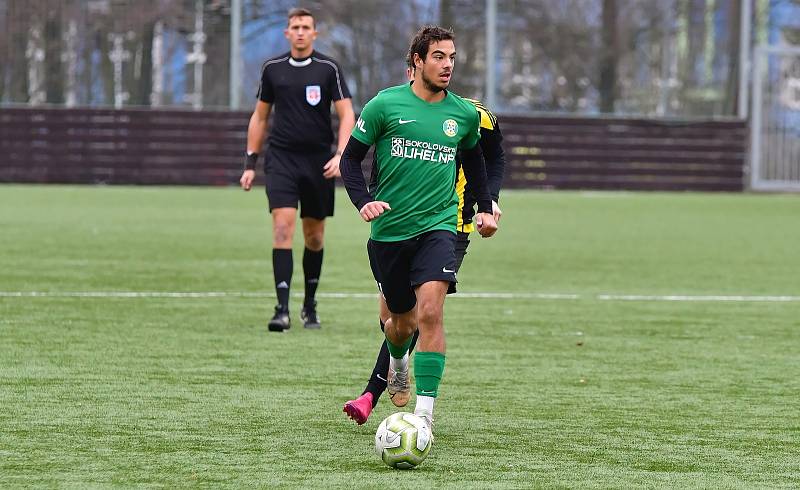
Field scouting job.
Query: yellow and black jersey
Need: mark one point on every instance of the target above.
(495, 159)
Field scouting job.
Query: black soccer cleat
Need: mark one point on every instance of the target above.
(280, 321)
(309, 317)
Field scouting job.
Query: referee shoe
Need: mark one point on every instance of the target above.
(309, 316)
(280, 321)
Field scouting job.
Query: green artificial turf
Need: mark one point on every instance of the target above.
(585, 390)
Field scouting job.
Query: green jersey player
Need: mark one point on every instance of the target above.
(417, 129)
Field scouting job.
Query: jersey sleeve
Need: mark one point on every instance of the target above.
(473, 134)
(370, 123)
(337, 85)
(493, 155)
(265, 91)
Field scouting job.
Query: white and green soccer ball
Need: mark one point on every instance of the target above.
(403, 440)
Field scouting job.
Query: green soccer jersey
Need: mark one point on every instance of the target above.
(415, 147)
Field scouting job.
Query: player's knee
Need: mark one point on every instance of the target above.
(429, 314)
(404, 324)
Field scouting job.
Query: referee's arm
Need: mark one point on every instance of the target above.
(347, 119)
(256, 132)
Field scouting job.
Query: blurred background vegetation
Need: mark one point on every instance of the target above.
(626, 57)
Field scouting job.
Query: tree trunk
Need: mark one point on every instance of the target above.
(731, 102)
(609, 58)
(19, 18)
(216, 72)
(446, 14)
(53, 43)
(143, 80)
(106, 68)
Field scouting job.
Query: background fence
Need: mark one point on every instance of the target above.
(178, 147)
(775, 131)
(664, 58)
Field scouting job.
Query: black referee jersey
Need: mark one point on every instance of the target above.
(301, 92)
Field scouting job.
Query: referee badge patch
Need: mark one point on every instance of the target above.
(313, 94)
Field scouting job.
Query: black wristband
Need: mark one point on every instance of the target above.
(250, 161)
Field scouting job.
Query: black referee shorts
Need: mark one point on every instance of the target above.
(294, 177)
(399, 267)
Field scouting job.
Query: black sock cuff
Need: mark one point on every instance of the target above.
(376, 387)
(281, 252)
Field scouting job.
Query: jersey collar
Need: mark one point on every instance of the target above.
(411, 91)
(302, 61)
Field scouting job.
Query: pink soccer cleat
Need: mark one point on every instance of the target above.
(360, 408)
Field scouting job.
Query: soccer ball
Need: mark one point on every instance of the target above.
(403, 440)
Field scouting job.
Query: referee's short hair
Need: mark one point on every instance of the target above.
(422, 41)
(299, 12)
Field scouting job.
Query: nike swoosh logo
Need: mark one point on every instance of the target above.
(445, 269)
(406, 122)
(380, 377)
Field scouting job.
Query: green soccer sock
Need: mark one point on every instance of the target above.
(398, 351)
(428, 371)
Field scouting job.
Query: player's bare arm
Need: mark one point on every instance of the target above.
(256, 132)
(344, 109)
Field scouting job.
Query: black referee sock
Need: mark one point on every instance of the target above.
(282, 265)
(377, 382)
(312, 266)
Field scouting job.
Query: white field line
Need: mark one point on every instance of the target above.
(343, 295)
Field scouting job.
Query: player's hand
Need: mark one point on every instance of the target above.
(331, 169)
(496, 212)
(248, 176)
(486, 224)
(373, 209)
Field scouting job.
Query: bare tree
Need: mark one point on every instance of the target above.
(609, 57)
(53, 45)
(19, 18)
(218, 42)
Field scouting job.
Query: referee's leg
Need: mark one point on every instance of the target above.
(283, 225)
(316, 204)
(314, 236)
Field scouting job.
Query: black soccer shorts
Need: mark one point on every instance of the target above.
(399, 267)
(294, 177)
(462, 242)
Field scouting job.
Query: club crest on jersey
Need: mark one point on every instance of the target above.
(313, 94)
(450, 128)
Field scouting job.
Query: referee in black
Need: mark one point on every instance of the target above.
(298, 162)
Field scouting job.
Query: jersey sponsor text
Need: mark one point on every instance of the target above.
(422, 150)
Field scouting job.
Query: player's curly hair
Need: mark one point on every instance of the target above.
(422, 41)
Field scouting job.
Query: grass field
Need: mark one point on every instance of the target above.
(667, 355)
